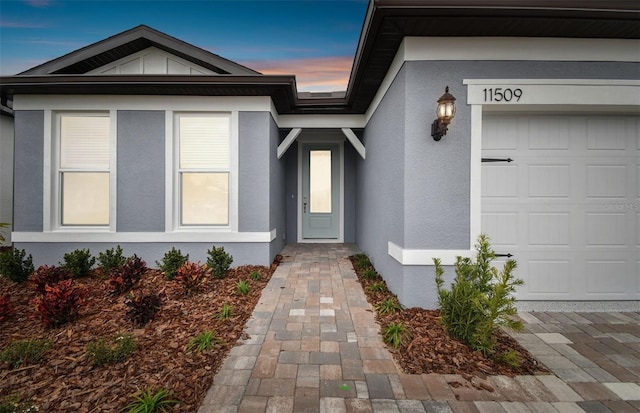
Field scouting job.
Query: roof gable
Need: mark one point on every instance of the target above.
(118, 47)
(151, 61)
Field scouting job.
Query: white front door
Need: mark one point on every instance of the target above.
(320, 200)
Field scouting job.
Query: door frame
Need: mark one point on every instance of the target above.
(319, 137)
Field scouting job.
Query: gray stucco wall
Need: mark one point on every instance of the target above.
(277, 191)
(28, 164)
(254, 174)
(141, 171)
(434, 176)
(6, 176)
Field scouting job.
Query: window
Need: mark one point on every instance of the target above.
(203, 168)
(83, 169)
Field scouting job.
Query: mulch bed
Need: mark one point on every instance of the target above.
(427, 348)
(66, 381)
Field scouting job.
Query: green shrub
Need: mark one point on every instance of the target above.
(510, 357)
(225, 312)
(111, 258)
(242, 288)
(171, 261)
(78, 262)
(102, 352)
(219, 261)
(149, 401)
(369, 274)
(361, 261)
(24, 352)
(377, 287)
(191, 276)
(60, 303)
(15, 266)
(255, 275)
(125, 277)
(394, 334)
(14, 403)
(143, 307)
(203, 341)
(388, 306)
(480, 299)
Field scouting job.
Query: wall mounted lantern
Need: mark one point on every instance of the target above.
(446, 111)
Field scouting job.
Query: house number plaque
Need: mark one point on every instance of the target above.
(499, 94)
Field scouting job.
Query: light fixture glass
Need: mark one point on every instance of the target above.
(445, 111)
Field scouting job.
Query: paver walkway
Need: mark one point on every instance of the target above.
(315, 347)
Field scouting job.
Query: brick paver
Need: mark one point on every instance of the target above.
(314, 346)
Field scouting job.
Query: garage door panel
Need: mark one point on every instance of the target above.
(549, 229)
(607, 181)
(549, 181)
(568, 206)
(607, 229)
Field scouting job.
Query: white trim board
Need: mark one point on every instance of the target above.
(151, 237)
(425, 257)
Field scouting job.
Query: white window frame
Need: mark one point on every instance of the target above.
(173, 201)
(52, 196)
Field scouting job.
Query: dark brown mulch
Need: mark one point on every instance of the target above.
(427, 348)
(66, 381)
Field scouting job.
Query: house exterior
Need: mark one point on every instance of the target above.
(147, 142)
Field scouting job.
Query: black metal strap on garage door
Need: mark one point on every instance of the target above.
(497, 160)
(509, 255)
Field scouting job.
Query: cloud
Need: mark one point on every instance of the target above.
(318, 74)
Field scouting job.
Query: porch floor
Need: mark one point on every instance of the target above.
(314, 346)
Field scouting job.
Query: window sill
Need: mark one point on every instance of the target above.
(150, 237)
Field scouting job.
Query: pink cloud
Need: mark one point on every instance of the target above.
(321, 74)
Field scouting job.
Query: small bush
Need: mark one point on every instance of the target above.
(102, 352)
(60, 303)
(388, 306)
(203, 341)
(361, 261)
(369, 274)
(110, 259)
(510, 358)
(15, 404)
(15, 266)
(225, 312)
(255, 276)
(149, 401)
(377, 287)
(123, 279)
(191, 276)
(219, 261)
(78, 262)
(171, 261)
(394, 334)
(143, 307)
(242, 288)
(24, 352)
(6, 309)
(46, 275)
(480, 299)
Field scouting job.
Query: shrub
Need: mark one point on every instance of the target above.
(171, 261)
(111, 258)
(191, 276)
(255, 275)
(14, 403)
(361, 261)
(377, 287)
(203, 341)
(15, 266)
(78, 262)
(148, 401)
(6, 309)
(103, 352)
(369, 274)
(143, 307)
(225, 312)
(46, 275)
(480, 299)
(242, 288)
(123, 279)
(219, 261)
(510, 357)
(388, 306)
(394, 334)
(23, 352)
(60, 303)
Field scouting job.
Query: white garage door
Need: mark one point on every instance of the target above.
(568, 206)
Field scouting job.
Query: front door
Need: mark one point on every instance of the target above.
(320, 191)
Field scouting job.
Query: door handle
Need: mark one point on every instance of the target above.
(304, 205)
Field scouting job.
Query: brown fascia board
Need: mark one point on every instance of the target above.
(154, 38)
(281, 88)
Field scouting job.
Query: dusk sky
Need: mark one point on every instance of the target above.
(315, 39)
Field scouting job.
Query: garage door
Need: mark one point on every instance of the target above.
(567, 207)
